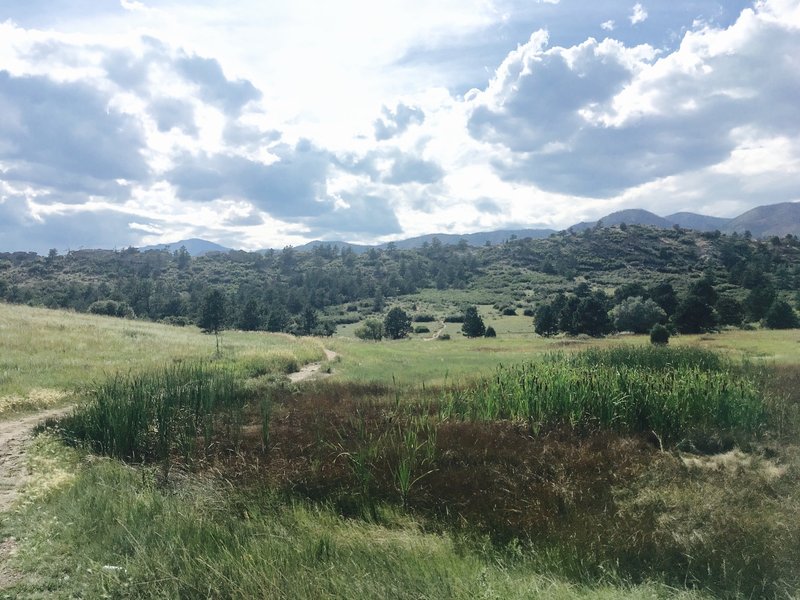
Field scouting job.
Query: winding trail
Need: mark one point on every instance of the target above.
(312, 370)
(436, 335)
(14, 437)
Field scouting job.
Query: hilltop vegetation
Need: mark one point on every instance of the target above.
(313, 292)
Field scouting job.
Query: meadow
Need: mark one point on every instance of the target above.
(498, 468)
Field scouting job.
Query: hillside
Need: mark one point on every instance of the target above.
(764, 221)
(689, 220)
(301, 292)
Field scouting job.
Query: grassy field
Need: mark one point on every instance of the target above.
(512, 467)
(46, 354)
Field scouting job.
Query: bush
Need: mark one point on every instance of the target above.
(421, 329)
(529, 312)
(444, 336)
(781, 316)
(490, 332)
(454, 319)
(659, 335)
(637, 315)
(372, 330)
(509, 312)
(423, 318)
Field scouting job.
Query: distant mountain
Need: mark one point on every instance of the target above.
(194, 246)
(764, 221)
(689, 220)
(633, 216)
(472, 239)
(769, 220)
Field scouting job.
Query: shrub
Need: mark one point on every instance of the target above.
(444, 337)
(509, 312)
(781, 316)
(490, 332)
(529, 312)
(659, 335)
(423, 318)
(454, 319)
(637, 315)
(372, 330)
(421, 329)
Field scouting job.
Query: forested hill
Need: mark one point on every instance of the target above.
(304, 291)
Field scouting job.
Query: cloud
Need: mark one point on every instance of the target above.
(363, 215)
(638, 15)
(66, 136)
(607, 25)
(74, 229)
(597, 119)
(172, 113)
(396, 122)
(292, 186)
(214, 87)
(407, 169)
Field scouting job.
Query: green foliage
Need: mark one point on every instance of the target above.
(659, 335)
(694, 315)
(397, 323)
(730, 311)
(371, 330)
(781, 316)
(145, 417)
(672, 399)
(546, 320)
(111, 308)
(473, 325)
(490, 332)
(637, 315)
(212, 315)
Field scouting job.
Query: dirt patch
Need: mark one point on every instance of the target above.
(8, 576)
(313, 370)
(14, 437)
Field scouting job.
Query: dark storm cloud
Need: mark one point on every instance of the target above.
(397, 121)
(66, 134)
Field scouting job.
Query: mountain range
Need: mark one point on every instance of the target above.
(762, 221)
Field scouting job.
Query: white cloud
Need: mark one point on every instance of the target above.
(639, 14)
(607, 25)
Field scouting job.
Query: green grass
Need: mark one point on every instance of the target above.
(670, 392)
(47, 353)
(112, 532)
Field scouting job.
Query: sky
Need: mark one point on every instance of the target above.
(261, 124)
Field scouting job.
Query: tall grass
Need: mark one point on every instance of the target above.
(147, 416)
(671, 393)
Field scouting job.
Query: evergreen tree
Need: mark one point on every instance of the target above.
(212, 315)
(473, 323)
(545, 322)
(397, 323)
(250, 319)
(781, 316)
(693, 315)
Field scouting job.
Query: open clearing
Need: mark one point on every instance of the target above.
(401, 468)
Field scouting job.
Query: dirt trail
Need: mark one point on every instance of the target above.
(14, 436)
(312, 370)
(436, 335)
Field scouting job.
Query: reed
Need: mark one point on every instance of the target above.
(672, 393)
